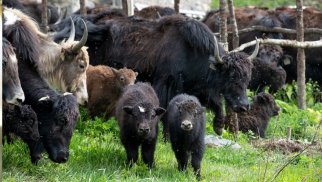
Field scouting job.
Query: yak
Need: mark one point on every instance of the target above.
(187, 119)
(12, 91)
(57, 115)
(137, 113)
(173, 54)
(105, 86)
(63, 67)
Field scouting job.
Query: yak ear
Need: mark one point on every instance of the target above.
(136, 73)
(159, 111)
(128, 109)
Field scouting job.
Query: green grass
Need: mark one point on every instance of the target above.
(97, 155)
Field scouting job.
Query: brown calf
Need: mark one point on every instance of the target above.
(105, 86)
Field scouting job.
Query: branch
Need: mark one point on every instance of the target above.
(288, 43)
(276, 30)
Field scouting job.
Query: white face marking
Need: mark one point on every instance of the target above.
(141, 109)
(10, 18)
(13, 58)
(44, 98)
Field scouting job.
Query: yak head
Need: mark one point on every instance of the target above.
(24, 120)
(56, 126)
(231, 76)
(64, 65)
(12, 91)
(190, 114)
(144, 117)
(124, 77)
(267, 104)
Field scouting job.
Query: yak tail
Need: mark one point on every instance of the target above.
(23, 34)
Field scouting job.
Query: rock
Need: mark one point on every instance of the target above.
(214, 141)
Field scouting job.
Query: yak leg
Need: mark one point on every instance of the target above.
(132, 153)
(196, 157)
(182, 158)
(148, 153)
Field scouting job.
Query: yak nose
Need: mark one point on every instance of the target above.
(186, 125)
(144, 130)
(62, 156)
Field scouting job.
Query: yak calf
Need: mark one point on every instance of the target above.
(186, 119)
(105, 86)
(21, 121)
(137, 113)
(257, 118)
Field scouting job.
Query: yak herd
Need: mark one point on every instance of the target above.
(155, 65)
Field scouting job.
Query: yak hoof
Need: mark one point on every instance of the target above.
(218, 130)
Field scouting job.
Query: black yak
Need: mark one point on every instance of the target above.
(21, 121)
(173, 55)
(137, 113)
(186, 119)
(256, 119)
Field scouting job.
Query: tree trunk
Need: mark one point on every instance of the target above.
(300, 57)
(223, 23)
(125, 6)
(176, 6)
(44, 17)
(232, 21)
(82, 7)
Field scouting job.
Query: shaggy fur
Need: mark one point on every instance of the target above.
(21, 121)
(62, 69)
(257, 118)
(57, 115)
(105, 86)
(12, 91)
(137, 113)
(186, 120)
(151, 12)
(266, 74)
(173, 55)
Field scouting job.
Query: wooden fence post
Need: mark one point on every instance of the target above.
(300, 57)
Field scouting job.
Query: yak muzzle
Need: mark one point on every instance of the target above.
(186, 125)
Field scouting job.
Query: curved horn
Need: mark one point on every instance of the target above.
(254, 54)
(217, 56)
(71, 37)
(82, 42)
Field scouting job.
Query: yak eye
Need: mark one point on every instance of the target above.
(82, 66)
(122, 78)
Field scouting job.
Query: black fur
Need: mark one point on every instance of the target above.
(21, 121)
(185, 108)
(138, 112)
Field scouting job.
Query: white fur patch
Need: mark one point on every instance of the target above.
(67, 93)
(44, 98)
(142, 109)
(13, 58)
(10, 17)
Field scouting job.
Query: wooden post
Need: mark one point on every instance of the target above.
(176, 6)
(300, 57)
(82, 7)
(223, 23)
(1, 144)
(125, 6)
(289, 134)
(44, 17)
(232, 20)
